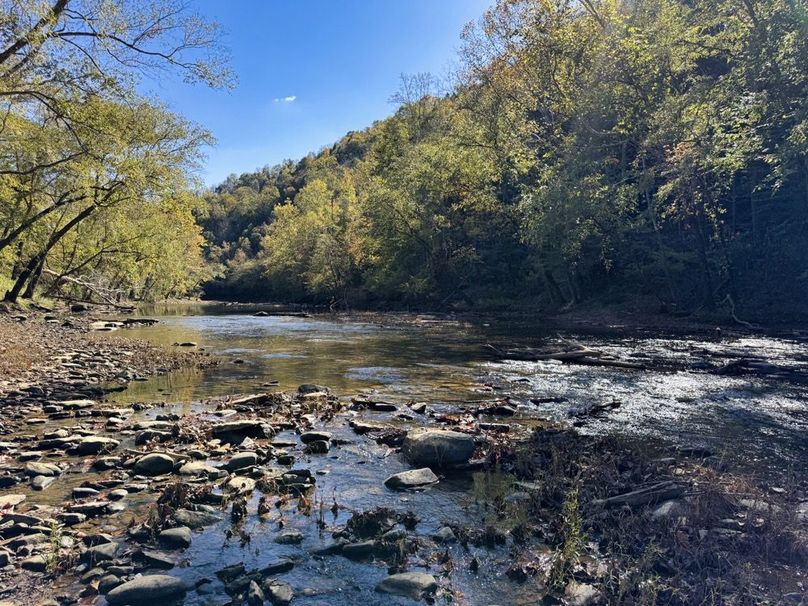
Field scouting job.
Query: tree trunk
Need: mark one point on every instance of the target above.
(30, 269)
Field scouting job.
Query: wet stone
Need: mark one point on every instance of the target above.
(414, 585)
(413, 478)
(42, 482)
(315, 436)
(438, 448)
(195, 519)
(280, 593)
(147, 589)
(177, 538)
(42, 469)
(290, 537)
(242, 460)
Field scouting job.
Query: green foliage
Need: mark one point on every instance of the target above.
(94, 180)
(602, 149)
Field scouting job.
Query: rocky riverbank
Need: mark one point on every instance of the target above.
(305, 496)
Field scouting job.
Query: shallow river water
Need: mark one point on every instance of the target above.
(754, 420)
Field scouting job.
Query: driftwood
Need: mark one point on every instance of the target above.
(583, 356)
(91, 288)
(593, 410)
(664, 491)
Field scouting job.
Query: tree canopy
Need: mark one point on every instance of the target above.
(655, 149)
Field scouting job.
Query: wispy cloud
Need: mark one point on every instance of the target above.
(289, 99)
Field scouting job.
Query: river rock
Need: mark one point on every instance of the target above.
(280, 593)
(35, 563)
(290, 537)
(195, 519)
(411, 479)
(198, 468)
(154, 464)
(414, 585)
(42, 469)
(235, 431)
(96, 445)
(10, 500)
(315, 436)
(438, 448)
(42, 482)
(101, 553)
(179, 537)
(241, 485)
(154, 589)
(107, 583)
(581, 594)
(255, 595)
(242, 460)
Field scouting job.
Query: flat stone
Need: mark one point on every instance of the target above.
(81, 492)
(157, 559)
(154, 589)
(197, 468)
(96, 445)
(42, 469)
(413, 478)
(414, 585)
(42, 482)
(314, 436)
(10, 500)
(242, 460)
(195, 519)
(235, 431)
(35, 563)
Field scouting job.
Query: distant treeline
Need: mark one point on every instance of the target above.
(594, 150)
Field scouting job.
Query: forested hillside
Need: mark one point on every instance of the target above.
(653, 149)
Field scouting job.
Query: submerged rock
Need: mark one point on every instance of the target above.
(413, 478)
(438, 448)
(414, 585)
(195, 519)
(154, 588)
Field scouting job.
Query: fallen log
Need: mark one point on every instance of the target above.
(663, 491)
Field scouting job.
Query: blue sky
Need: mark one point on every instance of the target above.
(311, 70)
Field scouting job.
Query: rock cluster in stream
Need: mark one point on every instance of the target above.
(200, 470)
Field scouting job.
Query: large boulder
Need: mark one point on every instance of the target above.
(153, 588)
(438, 448)
(154, 464)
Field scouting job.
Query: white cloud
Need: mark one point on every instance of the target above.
(289, 99)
